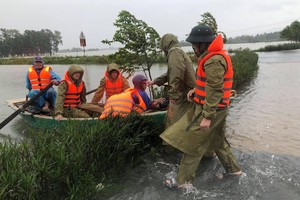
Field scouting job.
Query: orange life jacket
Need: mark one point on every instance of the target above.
(39, 81)
(200, 93)
(113, 87)
(123, 104)
(72, 95)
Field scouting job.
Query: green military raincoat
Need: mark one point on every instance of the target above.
(85, 110)
(195, 141)
(180, 77)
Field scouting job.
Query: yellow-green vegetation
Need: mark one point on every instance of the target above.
(70, 162)
(89, 60)
(56, 60)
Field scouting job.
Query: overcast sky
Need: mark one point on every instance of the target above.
(96, 17)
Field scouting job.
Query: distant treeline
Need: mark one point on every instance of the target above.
(265, 37)
(13, 43)
(74, 49)
(289, 33)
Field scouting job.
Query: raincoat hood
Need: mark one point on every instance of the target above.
(111, 67)
(167, 42)
(74, 69)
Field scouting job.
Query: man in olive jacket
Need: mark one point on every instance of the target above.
(180, 78)
(201, 128)
(72, 103)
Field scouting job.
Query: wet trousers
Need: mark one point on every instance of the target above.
(49, 95)
(85, 110)
(189, 164)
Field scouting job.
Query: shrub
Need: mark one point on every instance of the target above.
(245, 67)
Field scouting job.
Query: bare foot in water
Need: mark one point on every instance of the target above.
(238, 173)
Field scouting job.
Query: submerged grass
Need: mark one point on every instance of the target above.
(280, 47)
(70, 162)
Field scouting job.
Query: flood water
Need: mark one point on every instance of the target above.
(266, 114)
(262, 128)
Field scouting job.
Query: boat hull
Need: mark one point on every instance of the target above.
(48, 122)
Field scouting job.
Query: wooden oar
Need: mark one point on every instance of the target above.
(12, 116)
(89, 92)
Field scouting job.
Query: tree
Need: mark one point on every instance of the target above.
(56, 40)
(291, 32)
(140, 44)
(12, 42)
(208, 19)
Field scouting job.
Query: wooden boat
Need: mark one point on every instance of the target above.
(48, 122)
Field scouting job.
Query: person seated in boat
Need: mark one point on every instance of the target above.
(38, 77)
(112, 83)
(140, 83)
(133, 99)
(71, 97)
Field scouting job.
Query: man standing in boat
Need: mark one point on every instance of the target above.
(71, 97)
(38, 77)
(112, 83)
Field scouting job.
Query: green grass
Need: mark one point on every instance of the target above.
(65, 60)
(56, 60)
(69, 162)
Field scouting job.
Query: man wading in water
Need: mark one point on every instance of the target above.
(201, 128)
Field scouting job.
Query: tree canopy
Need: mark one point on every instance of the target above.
(291, 32)
(208, 19)
(13, 43)
(140, 44)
